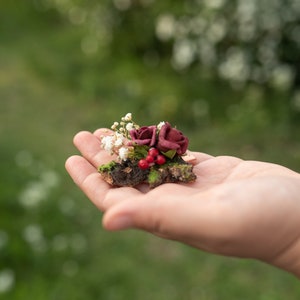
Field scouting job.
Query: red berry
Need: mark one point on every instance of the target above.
(150, 159)
(153, 152)
(143, 164)
(160, 159)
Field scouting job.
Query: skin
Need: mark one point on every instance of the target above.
(235, 207)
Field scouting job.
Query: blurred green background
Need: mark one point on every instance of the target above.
(225, 72)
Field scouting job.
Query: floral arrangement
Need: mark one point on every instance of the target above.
(152, 154)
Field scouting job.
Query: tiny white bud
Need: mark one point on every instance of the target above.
(115, 125)
(160, 125)
(128, 117)
(118, 142)
(123, 153)
(107, 143)
(119, 135)
(129, 126)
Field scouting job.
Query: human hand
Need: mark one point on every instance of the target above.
(237, 208)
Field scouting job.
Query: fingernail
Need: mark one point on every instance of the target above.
(119, 223)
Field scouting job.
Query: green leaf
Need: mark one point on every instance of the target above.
(170, 154)
(140, 151)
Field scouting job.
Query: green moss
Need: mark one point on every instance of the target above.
(154, 176)
(107, 167)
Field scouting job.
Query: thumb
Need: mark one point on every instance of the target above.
(138, 213)
(181, 218)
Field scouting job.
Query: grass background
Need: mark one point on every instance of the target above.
(52, 245)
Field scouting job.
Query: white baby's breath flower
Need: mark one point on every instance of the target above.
(128, 117)
(123, 153)
(119, 135)
(129, 126)
(160, 125)
(114, 126)
(107, 143)
(118, 142)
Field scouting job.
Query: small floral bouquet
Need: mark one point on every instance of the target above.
(148, 154)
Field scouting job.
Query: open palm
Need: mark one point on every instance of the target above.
(235, 207)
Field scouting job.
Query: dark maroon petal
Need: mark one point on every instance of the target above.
(146, 135)
(153, 138)
(172, 139)
(175, 135)
(164, 145)
(164, 129)
(133, 134)
(183, 146)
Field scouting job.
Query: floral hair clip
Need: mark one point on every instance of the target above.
(152, 154)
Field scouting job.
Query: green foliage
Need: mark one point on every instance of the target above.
(107, 167)
(57, 79)
(154, 176)
(237, 41)
(140, 151)
(170, 154)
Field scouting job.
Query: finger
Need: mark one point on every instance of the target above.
(102, 132)
(192, 220)
(90, 147)
(88, 179)
(96, 189)
(199, 156)
(158, 211)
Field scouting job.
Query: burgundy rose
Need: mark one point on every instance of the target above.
(172, 139)
(146, 135)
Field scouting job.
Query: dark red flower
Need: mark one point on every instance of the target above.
(146, 135)
(172, 139)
